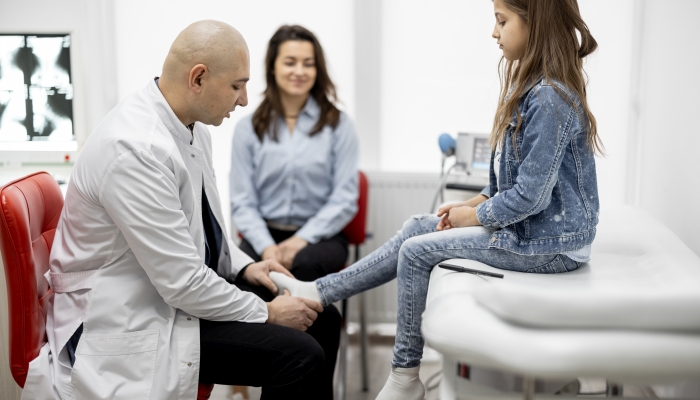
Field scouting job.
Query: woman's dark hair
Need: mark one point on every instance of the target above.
(266, 117)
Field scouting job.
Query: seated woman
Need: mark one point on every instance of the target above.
(540, 211)
(294, 172)
(294, 163)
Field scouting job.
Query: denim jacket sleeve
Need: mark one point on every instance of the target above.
(545, 133)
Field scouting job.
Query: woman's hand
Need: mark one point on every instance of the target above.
(289, 248)
(271, 253)
(258, 274)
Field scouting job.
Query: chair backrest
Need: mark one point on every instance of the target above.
(29, 211)
(356, 230)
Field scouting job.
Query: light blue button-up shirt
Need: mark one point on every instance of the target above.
(301, 180)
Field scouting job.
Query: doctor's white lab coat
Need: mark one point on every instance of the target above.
(127, 262)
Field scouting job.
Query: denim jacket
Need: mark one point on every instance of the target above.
(547, 199)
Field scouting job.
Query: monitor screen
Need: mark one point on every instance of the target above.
(36, 89)
(482, 154)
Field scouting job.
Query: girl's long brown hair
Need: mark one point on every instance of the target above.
(268, 113)
(553, 52)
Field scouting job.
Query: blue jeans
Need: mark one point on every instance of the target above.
(411, 256)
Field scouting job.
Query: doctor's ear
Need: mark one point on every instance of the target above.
(196, 75)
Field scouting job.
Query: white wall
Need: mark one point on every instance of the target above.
(439, 74)
(144, 31)
(666, 174)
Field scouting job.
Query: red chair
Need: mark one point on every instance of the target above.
(30, 208)
(356, 232)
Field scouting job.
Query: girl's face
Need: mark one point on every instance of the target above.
(510, 31)
(295, 68)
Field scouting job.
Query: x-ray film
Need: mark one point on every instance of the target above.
(36, 90)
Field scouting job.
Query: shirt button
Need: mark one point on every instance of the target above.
(225, 253)
(192, 155)
(493, 240)
(189, 319)
(189, 364)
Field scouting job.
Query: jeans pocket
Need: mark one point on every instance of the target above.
(556, 266)
(115, 366)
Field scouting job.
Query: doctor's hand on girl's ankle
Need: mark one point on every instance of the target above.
(258, 274)
(292, 312)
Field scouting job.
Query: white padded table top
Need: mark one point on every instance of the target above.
(632, 313)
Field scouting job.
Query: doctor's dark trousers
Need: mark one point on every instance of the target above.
(285, 362)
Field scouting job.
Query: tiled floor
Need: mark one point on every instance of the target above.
(379, 364)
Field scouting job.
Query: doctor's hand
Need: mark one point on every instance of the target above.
(293, 312)
(258, 274)
(289, 248)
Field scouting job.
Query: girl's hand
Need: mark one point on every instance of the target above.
(444, 224)
(444, 212)
(446, 208)
(458, 217)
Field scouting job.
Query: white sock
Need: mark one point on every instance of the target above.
(296, 288)
(403, 384)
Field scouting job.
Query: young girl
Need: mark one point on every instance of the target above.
(540, 211)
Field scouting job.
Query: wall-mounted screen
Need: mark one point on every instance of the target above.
(36, 89)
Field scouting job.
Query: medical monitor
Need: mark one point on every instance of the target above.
(473, 153)
(36, 94)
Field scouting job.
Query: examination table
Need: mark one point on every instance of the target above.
(630, 315)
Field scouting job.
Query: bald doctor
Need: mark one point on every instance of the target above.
(139, 265)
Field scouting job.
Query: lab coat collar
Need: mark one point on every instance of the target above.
(166, 114)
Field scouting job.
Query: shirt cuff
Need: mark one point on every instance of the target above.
(484, 213)
(260, 244)
(308, 235)
(239, 276)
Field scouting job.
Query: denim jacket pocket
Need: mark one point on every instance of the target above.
(556, 266)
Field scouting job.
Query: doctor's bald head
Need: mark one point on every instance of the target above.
(205, 73)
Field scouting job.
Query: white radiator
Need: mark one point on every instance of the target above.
(393, 197)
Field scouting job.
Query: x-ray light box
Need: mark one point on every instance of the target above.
(36, 98)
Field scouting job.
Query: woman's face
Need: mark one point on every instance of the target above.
(295, 68)
(510, 31)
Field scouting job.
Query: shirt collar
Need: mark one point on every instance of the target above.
(166, 114)
(311, 108)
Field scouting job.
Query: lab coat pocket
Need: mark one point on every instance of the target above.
(115, 366)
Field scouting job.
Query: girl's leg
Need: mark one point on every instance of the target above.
(376, 268)
(417, 257)
(420, 254)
